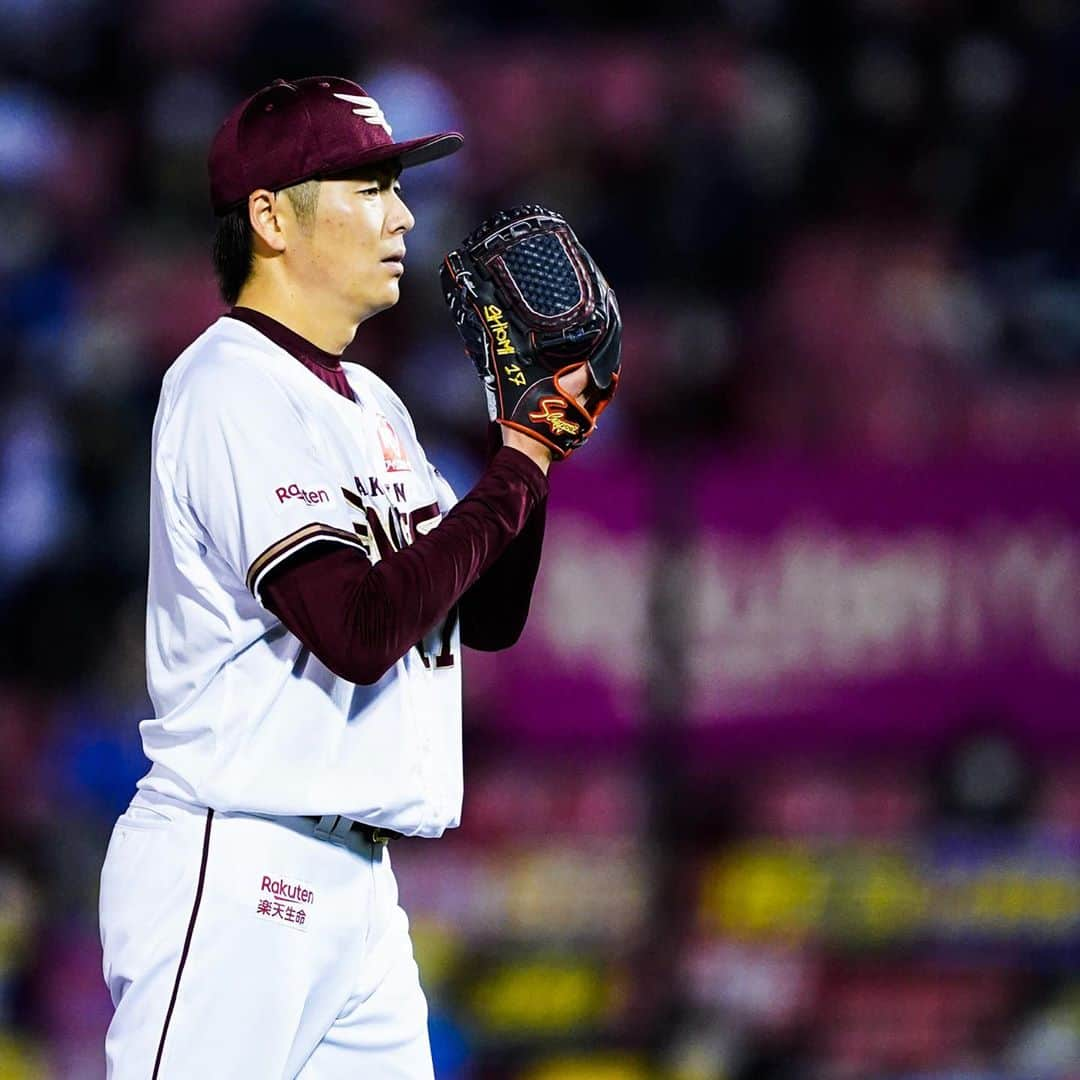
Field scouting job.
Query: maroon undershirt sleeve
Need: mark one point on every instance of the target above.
(494, 609)
(359, 618)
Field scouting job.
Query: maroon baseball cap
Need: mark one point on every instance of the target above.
(289, 132)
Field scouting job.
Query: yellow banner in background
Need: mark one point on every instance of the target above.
(862, 895)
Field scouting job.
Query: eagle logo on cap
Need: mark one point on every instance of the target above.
(368, 108)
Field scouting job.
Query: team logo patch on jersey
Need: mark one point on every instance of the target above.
(392, 451)
(284, 901)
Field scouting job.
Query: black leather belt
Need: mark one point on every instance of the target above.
(335, 829)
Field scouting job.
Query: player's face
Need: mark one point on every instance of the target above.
(354, 255)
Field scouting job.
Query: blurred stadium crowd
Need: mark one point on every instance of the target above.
(840, 229)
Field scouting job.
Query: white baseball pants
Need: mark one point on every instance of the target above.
(235, 947)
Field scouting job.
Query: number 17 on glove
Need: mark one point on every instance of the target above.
(531, 306)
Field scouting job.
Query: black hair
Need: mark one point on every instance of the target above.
(234, 252)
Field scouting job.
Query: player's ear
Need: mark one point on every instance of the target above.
(264, 214)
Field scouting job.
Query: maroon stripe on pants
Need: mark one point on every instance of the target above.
(187, 941)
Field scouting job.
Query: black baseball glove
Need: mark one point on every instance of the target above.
(532, 306)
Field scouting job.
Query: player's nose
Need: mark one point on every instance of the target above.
(399, 217)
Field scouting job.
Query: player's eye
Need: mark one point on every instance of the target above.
(374, 190)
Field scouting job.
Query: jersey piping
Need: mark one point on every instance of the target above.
(288, 545)
(187, 941)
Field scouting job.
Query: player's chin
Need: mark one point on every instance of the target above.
(387, 298)
(395, 295)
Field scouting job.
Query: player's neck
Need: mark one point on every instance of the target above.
(287, 307)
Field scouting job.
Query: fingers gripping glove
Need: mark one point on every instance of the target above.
(531, 306)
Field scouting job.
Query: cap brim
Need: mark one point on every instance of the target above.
(411, 152)
(429, 148)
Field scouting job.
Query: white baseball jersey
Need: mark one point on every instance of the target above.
(255, 458)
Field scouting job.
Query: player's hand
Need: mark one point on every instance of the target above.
(576, 384)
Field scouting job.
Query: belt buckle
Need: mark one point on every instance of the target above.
(378, 836)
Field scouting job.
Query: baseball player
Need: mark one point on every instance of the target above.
(312, 579)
